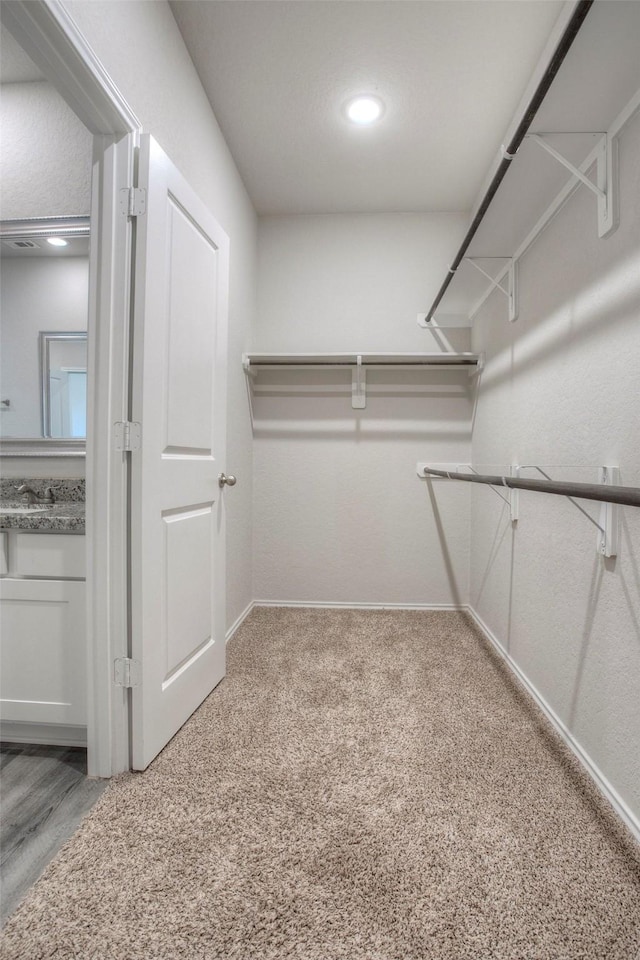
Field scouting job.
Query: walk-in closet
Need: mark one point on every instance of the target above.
(355, 524)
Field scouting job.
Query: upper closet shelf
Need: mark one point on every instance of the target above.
(563, 138)
(253, 362)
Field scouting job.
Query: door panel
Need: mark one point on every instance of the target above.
(177, 524)
(190, 384)
(189, 538)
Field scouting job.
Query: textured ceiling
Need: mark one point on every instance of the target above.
(451, 75)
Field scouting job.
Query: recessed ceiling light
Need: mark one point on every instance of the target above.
(364, 110)
(57, 241)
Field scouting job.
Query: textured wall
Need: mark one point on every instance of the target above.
(340, 514)
(45, 293)
(141, 47)
(45, 163)
(561, 388)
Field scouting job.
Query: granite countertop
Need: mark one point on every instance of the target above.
(62, 517)
(66, 515)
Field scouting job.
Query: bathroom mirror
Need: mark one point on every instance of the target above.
(44, 267)
(63, 385)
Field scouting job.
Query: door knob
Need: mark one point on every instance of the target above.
(229, 480)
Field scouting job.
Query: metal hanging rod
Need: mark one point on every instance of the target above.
(509, 152)
(605, 493)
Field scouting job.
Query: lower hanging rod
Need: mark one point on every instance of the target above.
(628, 496)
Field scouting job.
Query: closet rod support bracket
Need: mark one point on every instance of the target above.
(359, 385)
(511, 290)
(246, 366)
(608, 524)
(609, 533)
(514, 495)
(605, 187)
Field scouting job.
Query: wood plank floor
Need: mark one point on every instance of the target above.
(44, 794)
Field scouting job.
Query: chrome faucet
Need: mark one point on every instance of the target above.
(32, 497)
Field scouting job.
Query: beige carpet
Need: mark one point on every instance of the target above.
(364, 785)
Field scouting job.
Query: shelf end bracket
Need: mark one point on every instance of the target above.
(609, 532)
(605, 187)
(514, 495)
(358, 385)
(511, 290)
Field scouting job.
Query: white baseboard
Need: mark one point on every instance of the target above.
(51, 734)
(603, 785)
(350, 605)
(239, 620)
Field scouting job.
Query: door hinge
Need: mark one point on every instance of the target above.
(127, 435)
(133, 201)
(127, 672)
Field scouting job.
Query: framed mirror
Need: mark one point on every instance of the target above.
(44, 268)
(63, 385)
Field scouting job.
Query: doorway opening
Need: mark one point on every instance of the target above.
(48, 36)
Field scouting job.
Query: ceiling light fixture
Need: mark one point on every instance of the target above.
(57, 242)
(364, 109)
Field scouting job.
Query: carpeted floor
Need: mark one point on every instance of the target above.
(367, 785)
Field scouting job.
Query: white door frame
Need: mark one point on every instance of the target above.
(51, 38)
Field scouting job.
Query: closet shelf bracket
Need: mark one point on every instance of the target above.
(511, 290)
(604, 188)
(609, 534)
(514, 495)
(358, 385)
(608, 525)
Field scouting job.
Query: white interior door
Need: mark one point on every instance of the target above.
(177, 522)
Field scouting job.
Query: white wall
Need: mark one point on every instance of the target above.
(44, 293)
(561, 388)
(142, 49)
(340, 515)
(45, 162)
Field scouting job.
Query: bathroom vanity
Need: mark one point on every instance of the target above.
(42, 615)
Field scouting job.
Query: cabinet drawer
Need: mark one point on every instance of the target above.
(47, 555)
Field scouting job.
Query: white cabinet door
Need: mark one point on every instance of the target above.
(43, 651)
(177, 528)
